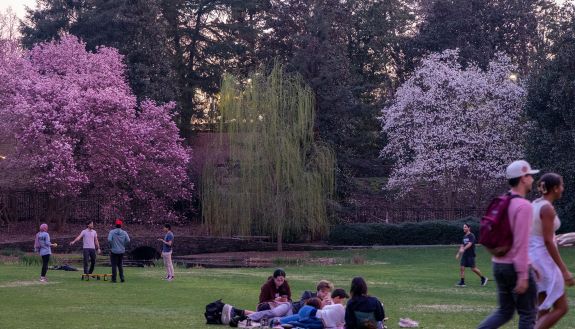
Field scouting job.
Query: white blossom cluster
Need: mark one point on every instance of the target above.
(451, 126)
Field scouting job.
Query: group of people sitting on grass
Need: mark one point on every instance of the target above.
(314, 310)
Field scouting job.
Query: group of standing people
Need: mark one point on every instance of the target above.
(118, 240)
(531, 277)
(314, 310)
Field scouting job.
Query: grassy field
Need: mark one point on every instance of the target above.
(412, 282)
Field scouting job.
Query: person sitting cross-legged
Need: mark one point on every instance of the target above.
(275, 302)
(363, 311)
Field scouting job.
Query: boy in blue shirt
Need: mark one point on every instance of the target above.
(167, 241)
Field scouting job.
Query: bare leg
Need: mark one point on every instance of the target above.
(477, 271)
(462, 272)
(540, 298)
(548, 320)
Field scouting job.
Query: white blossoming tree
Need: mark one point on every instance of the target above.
(454, 128)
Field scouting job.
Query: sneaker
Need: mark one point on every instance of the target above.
(226, 314)
(408, 323)
(484, 281)
(171, 278)
(461, 284)
(43, 279)
(236, 319)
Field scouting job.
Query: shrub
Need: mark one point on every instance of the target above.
(11, 252)
(422, 233)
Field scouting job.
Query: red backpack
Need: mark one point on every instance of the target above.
(494, 229)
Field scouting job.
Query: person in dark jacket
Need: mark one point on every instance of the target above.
(276, 288)
(275, 302)
(363, 311)
(118, 240)
(323, 292)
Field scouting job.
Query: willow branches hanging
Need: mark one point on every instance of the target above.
(278, 178)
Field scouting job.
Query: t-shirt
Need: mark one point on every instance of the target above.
(169, 237)
(467, 239)
(88, 237)
(332, 316)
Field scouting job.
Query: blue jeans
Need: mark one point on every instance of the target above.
(525, 304)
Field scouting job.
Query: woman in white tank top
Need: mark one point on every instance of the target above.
(553, 275)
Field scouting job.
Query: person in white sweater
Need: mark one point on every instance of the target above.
(333, 315)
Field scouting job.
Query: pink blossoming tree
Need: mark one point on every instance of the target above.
(77, 129)
(454, 128)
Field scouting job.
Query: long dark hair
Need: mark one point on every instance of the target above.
(358, 287)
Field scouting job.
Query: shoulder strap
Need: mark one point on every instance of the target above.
(513, 196)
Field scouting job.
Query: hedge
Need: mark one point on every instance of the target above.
(422, 233)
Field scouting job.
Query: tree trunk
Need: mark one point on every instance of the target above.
(280, 239)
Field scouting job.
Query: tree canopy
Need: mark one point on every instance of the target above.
(77, 130)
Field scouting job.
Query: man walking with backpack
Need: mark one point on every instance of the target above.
(515, 280)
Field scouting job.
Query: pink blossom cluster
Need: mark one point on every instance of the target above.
(77, 129)
(448, 124)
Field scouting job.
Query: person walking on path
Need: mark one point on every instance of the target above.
(90, 245)
(118, 240)
(553, 275)
(167, 241)
(515, 279)
(43, 246)
(467, 254)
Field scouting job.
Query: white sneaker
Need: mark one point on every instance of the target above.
(43, 279)
(408, 323)
(226, 314)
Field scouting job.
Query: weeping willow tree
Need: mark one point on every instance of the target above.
(277, 179)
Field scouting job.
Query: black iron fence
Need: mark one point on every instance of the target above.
(402, 214)
(17, 205)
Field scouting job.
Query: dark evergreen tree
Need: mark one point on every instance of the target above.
(135, 27)
(551, 106)
(208, 39)
(481, 28)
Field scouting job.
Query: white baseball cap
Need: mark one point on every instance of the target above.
(519, 168)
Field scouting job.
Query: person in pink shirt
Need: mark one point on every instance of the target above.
(516, 287)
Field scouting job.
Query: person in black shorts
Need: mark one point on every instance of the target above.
(467, 254)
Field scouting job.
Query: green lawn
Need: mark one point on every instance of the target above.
(412, 282)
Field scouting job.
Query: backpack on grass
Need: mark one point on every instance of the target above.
(494, 228)
(213, 312)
